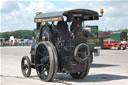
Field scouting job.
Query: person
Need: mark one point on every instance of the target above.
(63, 31)
(76, 28)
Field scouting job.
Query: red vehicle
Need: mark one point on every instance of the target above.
(116, 39)
(109, 43)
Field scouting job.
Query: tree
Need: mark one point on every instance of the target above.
(26, 34)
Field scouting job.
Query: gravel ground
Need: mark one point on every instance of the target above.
(110, 68)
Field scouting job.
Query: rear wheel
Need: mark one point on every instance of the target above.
(26, 66)
(45, 62)
(55, 58)
(81, 52)
(81, 75)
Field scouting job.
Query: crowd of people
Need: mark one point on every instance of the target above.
(15, 43)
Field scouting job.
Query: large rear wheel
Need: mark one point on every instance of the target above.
(45, 61)
(55, 58)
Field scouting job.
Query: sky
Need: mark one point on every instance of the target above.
(19, 14)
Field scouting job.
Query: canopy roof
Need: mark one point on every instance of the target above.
(85, 14)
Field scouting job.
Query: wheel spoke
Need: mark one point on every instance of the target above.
(24, 66)
(44, 73)
(45, 52)
(26, 70)
(42, 46)
(40, 53)
(39, 65)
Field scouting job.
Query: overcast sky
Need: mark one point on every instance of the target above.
(19, 14)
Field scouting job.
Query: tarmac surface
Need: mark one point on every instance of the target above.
(110, 68)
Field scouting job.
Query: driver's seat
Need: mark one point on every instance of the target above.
(63, 31)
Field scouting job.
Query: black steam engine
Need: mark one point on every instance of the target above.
(61, 45)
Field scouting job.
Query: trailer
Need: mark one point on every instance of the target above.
(105, 35)
(93, 29)
(120, 39)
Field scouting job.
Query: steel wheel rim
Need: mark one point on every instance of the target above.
(43, 62)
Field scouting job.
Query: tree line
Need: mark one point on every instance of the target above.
(26, 34)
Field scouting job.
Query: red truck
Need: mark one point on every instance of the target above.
(115, 39)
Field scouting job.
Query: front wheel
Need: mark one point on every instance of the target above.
(26, 66)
